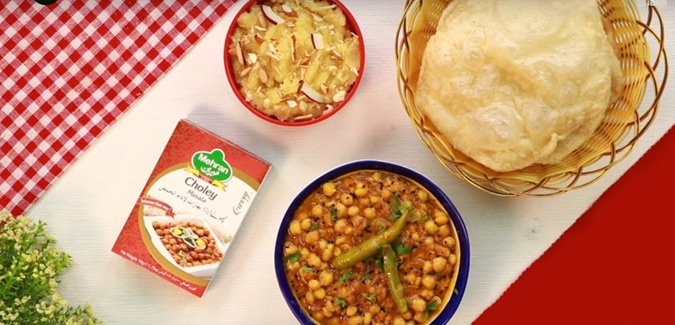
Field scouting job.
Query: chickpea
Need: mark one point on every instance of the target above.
(328, 189)
(429, 281)
(429, 241)
(355, 320)
(367, 318)
(317, 211)
(295, 228)
(431, 227)
(452, 259)
(341, 210)
(353, 211)
(351, 310)
(439, 264)
(427, 294)
(347, 199)
(374, 309)
(340, 226)
(314, 284)
(386, 194)
(364, 201)
(369, 213)
(399, 321)
(326, 278)
(314, 260)
(374, 199)
(320, 293)
(306, 224)
(410, 277)
(312, 237)
(422, 196)
(303, 215)
(172, 241)
(444, 230)
(361, 189)
(337, 251)
(449, 242)
(327, 253)
(427, 267)
(418, 304)
(441, 217)
(420, 318)
(309, 297)
(340, 240)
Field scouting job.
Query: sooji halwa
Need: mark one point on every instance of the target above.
(189, 244)
(371, 247)
(294, 60)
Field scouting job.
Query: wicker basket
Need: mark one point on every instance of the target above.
(625, 121)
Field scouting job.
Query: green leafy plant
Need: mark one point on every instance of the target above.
(29, 265)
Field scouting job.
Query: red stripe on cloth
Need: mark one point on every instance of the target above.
(614, 265)
(69, 70)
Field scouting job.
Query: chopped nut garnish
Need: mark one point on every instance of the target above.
(245, 71)
(339, 96)
(263, 76)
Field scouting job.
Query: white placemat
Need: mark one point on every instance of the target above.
(87, 207)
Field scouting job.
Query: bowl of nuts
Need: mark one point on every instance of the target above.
(294, 63)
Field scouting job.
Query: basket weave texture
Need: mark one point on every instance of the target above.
(626, 119)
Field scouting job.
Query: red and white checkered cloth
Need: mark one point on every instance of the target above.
(69, 70)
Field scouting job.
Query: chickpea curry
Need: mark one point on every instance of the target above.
(371, 247)
(189, 243)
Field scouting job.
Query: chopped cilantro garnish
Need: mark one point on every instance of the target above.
(306, 269)
(397, 209)
(340, 302)
(333, 213)
(401, 249)
(382, 228)
(294, 257)
(431, 306)
(369, 297)
(314, 226)
(380, 263)
(345, 277)
(367, 277)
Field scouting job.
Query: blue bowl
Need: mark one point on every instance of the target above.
(463, 239)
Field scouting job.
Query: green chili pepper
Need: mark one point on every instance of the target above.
(395, 286)
(369, 247)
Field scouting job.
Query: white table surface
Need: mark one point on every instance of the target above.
(88, 205)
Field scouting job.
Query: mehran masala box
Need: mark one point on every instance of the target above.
(190, 209)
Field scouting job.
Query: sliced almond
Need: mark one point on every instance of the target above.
(271, 15)
(252, 58)
(339, 96)
(258, 39)
(272, 55)
(292, 103)
(245, 71)
(240, 53)
(303, 117)
(317, 18)
(317, 41)
(263, 76)
(312, 94)
(288, 10)
(293, 56)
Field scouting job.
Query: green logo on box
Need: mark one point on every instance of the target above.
(212, 164)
